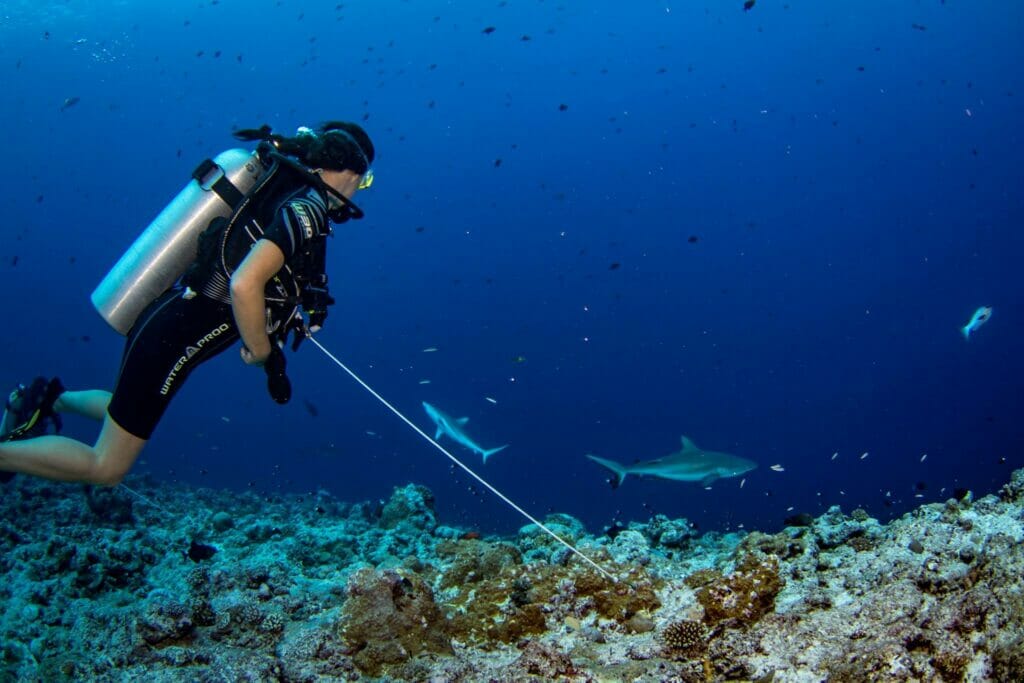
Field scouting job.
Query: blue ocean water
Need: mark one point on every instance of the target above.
(761, 229)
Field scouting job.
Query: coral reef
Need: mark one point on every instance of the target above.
(744, 596)
(98, 585)
(390, 617)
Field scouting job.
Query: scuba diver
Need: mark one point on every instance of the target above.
(261, 222)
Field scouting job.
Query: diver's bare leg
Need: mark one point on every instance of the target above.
(92, 403)
(64, 459)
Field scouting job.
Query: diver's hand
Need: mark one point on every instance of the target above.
(249, 358)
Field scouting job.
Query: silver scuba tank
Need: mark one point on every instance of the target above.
(166, 248)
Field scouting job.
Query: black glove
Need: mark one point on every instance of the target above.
(278, 385)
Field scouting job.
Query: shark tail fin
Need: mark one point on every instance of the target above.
(492, 451)
(619, 469)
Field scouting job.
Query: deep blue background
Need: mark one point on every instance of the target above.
(853, 182)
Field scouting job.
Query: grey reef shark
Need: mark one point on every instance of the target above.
(454, 429)
(689, 463)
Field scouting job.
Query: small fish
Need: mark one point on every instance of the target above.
(799, 519)
(200, 551)
(748, 5)
(310, 408)
(979, 318)
(424, 381)
(430, 349)
(69, 102)
(489, 30)
(777, 468)
(488, 398)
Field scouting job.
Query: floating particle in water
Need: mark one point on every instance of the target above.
(488, 398)
(748, 5)
(310, 408)
(923, 457)
(563, 107)
(69, 102)
(424, 381)
(835, 455)
(489, 30)
(863, 455)
(497, 163)
(777, 468)
(919, 27)
(430, 349)
(615, 265)
(693, 239)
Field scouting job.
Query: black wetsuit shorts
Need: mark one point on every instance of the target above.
(172, 336)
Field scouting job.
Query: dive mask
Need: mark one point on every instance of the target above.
(366, 182)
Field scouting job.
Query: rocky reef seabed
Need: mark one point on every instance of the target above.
(202, 585)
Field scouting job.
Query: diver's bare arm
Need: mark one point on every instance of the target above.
(247, 302)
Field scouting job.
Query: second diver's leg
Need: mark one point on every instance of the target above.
(63, 459)
(91, 403)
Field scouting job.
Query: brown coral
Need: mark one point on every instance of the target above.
(390, 617)
(502, 600)
(744, 596)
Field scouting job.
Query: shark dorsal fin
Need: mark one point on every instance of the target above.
(462, 420)
(688, 445)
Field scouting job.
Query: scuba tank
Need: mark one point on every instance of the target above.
(170, 243)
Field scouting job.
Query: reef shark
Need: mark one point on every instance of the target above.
(454, 429)
(689, 463)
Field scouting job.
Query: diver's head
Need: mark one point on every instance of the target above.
(338, 146)
(339, 152)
